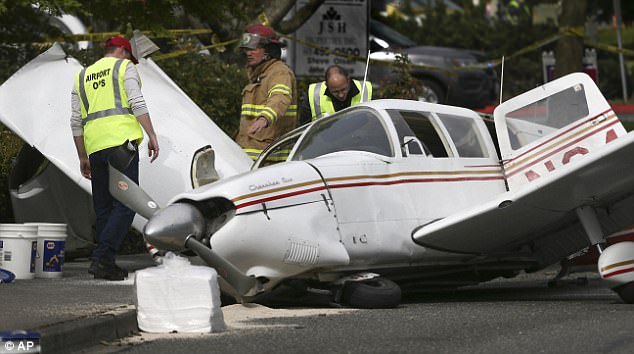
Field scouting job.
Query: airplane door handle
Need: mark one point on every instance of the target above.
(265, 211)
(323, 196)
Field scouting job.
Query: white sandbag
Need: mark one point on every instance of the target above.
(178, 296)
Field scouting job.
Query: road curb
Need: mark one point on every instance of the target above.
(76, 334)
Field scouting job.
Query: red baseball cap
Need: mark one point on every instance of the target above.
(123, 43)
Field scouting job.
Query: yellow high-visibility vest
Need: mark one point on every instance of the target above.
(321, 105)
(106, 115)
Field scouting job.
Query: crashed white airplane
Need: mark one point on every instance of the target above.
(383, 196)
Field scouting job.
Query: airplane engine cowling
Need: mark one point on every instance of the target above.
(170, 227)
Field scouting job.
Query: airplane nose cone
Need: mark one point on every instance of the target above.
(170, 227)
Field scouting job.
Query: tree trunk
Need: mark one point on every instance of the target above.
(569, 51)
(276, 10)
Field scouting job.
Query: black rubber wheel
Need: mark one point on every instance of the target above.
(432, 92)
(626, 292)
(372, 294)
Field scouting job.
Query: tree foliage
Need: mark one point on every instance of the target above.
(9, 146)
(55, 7)
(216, 89)
(492, 37)
(404, 85)
(497, 37)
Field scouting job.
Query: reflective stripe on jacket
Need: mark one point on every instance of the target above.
(106, 114)
(272, 94)
(321, 104)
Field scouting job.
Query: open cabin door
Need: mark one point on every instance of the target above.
(546, 129)
(566, 159)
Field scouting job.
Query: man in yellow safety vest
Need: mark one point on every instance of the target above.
(108, 111)
(337, 92)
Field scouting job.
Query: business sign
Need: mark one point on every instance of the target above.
(340, 26)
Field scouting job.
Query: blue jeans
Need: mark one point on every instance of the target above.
(113, 218)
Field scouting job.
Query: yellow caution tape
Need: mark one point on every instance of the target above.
(90, 37)
(180, 32)
(383, 62)
(530, 48)
(572, 31)
(563, 31)
(102, 36)
(610, 48)
(178, 53)
(264, 20)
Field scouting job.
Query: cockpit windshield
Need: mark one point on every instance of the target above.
(359, 130)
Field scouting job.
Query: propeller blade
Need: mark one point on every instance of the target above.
(179, 226)
(241, 282)
(130, 194)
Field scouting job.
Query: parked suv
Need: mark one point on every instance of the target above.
(471, 88)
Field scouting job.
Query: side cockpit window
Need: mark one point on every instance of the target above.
(418, 125)
(278, 153)
(279, 150)
(465, 135)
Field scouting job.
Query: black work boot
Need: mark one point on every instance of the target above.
(108, 271)
(121, 270)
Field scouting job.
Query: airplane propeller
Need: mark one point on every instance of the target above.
(176, 227)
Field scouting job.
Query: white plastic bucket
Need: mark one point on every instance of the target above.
(18, 245)
(51, 241)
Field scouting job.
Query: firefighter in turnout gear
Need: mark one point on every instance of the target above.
(269, 100)
(108, 112)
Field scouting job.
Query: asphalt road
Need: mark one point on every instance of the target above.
(507, 316)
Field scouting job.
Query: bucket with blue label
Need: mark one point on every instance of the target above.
(51, 239)
(18, 249)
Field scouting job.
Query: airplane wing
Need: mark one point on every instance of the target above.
(563, 150)
(546, 206)
(35, 104)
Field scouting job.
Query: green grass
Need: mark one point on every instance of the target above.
(607, 35)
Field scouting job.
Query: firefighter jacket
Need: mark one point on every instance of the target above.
(321, 104)
(106, 114)
(270, 93)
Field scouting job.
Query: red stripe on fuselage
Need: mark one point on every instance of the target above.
(417, 180)
(280, 196)
(617, 272)
(365, 184)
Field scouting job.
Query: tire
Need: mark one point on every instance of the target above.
(372, 294)
(626, 292)
(432, 92)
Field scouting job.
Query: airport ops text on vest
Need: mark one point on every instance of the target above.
(96, 76)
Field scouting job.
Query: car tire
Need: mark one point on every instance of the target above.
(372, 294)
(626, 292)
(432, 92)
